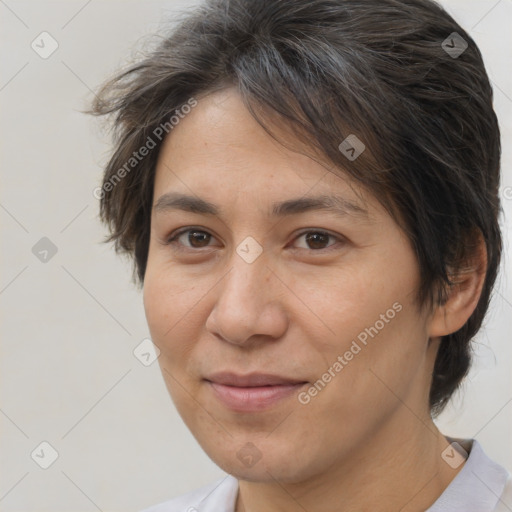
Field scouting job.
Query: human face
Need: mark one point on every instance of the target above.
(313, 295)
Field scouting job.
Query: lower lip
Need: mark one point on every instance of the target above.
(253, 399)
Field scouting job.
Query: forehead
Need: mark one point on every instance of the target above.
(219, 150)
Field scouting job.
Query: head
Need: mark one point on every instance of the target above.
(342, 174)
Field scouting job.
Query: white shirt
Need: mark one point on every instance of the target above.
(480, 486)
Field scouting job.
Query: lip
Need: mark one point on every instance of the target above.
(254, 392)
(251, 379)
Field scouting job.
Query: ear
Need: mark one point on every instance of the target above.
(463, 294)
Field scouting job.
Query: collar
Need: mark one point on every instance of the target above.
(478, 485)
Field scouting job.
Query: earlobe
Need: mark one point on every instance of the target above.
(462, 295)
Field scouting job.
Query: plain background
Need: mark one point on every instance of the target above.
(70, 325)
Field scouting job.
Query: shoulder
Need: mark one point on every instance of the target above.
(219, 495)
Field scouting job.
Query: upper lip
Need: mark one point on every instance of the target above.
(251, 380)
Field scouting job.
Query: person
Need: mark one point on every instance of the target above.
(309, 192)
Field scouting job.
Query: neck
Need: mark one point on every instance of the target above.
(400, 468)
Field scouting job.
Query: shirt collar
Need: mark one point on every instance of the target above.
(478, 485)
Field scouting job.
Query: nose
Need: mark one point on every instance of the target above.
(249, 306)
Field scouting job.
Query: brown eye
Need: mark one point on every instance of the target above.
(198, 238)
(317, 240)
(190, 238)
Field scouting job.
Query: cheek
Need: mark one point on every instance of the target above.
(157, 302)
(176, 307)
(163, 309)
(348, 302)
(169, 314)
(374, 326)
(382, 365)
(168, 297)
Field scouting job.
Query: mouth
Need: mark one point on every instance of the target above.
(254, 392)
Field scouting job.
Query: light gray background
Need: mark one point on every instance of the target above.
(70, 325)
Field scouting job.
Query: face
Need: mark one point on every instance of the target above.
(282, 299)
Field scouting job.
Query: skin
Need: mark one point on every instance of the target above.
(366, 441)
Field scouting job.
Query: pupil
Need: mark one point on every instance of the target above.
(313, 240)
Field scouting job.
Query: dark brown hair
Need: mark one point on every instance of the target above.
(379, 69)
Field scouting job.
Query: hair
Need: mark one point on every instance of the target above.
(327, 69)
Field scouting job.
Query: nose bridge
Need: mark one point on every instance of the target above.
(246, 282)
(248, 269)
(246, 301)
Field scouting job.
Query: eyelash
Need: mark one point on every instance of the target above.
(173, 239)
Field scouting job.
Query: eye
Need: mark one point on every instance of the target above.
(196, 238)
(317, 240)
(192, 238)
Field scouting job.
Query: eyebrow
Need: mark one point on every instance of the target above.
(332, 203)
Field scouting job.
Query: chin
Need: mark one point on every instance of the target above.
(270, 462)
